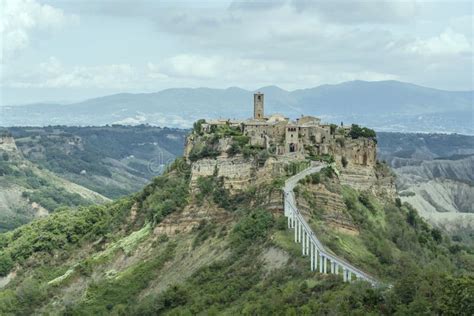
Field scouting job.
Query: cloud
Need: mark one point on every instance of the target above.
(53, 74)
(20, 19)
(253, 73)
(348, 12)
(340, 11)
(293, 44)
(448, 42)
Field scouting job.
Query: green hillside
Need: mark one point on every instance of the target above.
(111, 160)
(141, 256)
(28, 191)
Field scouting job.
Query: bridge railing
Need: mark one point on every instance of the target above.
(289, 198)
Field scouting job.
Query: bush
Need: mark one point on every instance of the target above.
(234, 149)
(6, 264)
(241, 140)
(315, 178)
(328, 172)
(344, 161)
(365, 200)
(197, 126)
(252, 227)
(357, 132)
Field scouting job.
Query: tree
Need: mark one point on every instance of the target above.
(197, 126)
(357, 132)
(6, 264)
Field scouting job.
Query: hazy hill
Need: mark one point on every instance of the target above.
(383, 105)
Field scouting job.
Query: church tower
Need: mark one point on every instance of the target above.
(258, 106)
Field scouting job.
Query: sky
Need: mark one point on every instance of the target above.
(66, 51)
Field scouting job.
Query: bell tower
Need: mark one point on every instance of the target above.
(258, 110)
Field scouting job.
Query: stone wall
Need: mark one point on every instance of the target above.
(237, 172)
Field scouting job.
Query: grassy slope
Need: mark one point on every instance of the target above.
(104, 260)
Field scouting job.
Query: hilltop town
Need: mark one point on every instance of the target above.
(248, 151)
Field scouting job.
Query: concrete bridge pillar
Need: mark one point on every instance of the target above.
(321, 258)
(344, 274)
(311, 255)
(295, 225)
(303, 243)
(307, 243)
(325, 261)
(349, 276)
(301, 232)
(332, 266)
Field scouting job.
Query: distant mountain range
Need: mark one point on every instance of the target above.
(383, 105)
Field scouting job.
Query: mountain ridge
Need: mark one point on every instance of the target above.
(382, 105)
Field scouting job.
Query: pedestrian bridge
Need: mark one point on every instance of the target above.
(320, 258)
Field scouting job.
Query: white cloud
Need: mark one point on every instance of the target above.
(214, 67)
(293, 44)
(52, 74)
(220, 71)
(448, 42)
(22, 18)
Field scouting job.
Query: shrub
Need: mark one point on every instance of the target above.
(365, 200)
(344, 161)
(234, 149)
(341, 142)
(327, 172)
(241, 140)
(357, 131)
(6, 264)
(251, 227)
(197, 126)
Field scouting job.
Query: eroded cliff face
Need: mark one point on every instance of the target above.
(327, 205)
(377, 179)
(191, 217)
(441, 190)
(354, 152)
(8, 145)
(238, 172)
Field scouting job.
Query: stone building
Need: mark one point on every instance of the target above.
(300, 137)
